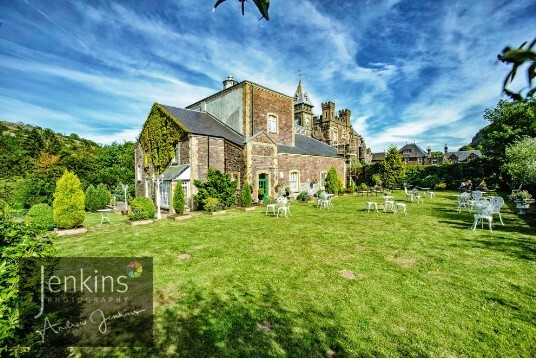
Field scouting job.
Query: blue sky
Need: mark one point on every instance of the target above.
(409, 71)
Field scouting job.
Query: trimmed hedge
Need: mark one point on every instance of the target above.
(141, 208)
(246, 195)
(40, 216)
(178, 199)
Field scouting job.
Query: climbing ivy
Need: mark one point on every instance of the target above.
(158, 138)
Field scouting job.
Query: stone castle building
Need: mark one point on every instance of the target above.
(256, 134)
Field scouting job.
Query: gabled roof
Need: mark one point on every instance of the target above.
(378, 156)
(201, 123)
(416, 151)
(301, 96)
(173, 172)
(305, 145)
(463, 155)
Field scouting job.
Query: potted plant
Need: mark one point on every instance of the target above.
(246, 198)
(313, 182)
(523, 200)
(260, 194)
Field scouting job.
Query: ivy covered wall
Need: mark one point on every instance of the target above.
(160, 133)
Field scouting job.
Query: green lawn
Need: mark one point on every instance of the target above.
(426, 285)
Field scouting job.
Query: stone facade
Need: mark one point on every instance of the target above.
(257, 143)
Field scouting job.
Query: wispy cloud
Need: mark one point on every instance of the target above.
(408, 71)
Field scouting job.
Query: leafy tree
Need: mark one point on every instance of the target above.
(509, 122)
(218, 185)
(68, 206)
(521, 164)
(467, 147)
(247, 199)
(332, 182)
(393, 170)
(518, 57)
(178, 199)
(91, 198)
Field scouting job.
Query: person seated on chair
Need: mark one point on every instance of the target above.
(466, 186)
(482, 186)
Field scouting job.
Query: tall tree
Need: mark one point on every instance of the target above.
(509, 123)
(521, 164)
(393, 170)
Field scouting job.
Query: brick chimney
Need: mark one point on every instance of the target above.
(446, 149)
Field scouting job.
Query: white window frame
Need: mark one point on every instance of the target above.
(294, 183)
(165, 200)
(323, 176)
(272, 123)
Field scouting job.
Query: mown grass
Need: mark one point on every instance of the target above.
(426, 285)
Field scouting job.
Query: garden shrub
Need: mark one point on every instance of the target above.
(68, 205)
(17, 241)
(441, 185)
(247, 199)
(363, 187)
(332, 183)
(218, 185)
(141, 208)
(304, 196)
(40, 217)
(178, 199)
(97, 198)
(430, 181)
(212, 204)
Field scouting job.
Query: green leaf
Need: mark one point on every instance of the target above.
(216, 4)
(263, 6)
(513, 95)
(518, 56)
(532, 73)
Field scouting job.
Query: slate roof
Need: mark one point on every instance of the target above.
(174, 171)
(416, 151)
(305, 145)
(462, 155)
(378, 156)
(201, 123)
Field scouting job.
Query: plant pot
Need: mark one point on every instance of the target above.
(124, 213)
(523, 205)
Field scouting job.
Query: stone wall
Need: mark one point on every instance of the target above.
(184, 149)
(265, 102)
(309, 167)
(234, 160)
(208, 152)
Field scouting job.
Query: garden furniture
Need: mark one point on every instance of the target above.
(274, 206)
(408, 194)
(402, 206)
(370, 204)
(463, 201)
(105, 215)
(284, 206)
(484, 210)
(416, 195)
(388, 204)
(431, 194)
(496, 203)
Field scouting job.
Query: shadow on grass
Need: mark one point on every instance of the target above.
(207, 324)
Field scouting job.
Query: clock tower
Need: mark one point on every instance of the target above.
(303, 109)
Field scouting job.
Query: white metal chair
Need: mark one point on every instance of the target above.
(284, 206)
(497, 202)
(408, 194)
(476, 195)
(401, 205)
(388, 204)
(372, 204)
(274, 206)
(416, 195)
(463, 201)
(484, 211)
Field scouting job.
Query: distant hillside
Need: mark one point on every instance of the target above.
(21, 145)
(33, 158)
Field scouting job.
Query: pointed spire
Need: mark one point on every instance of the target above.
(301, 96)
